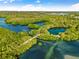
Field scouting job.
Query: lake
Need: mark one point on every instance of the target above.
(16, 28)
(64, 50)
(56, 30)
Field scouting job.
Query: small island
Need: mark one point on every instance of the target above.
(21, 31)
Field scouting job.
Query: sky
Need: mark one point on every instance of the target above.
(39, 5)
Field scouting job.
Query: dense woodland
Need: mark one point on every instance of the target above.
(10, 41)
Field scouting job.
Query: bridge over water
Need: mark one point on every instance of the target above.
(24, 46)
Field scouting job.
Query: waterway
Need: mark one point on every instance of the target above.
(64, 50)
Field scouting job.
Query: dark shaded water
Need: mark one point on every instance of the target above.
(64, 50)
(39, 23)
(56, 31)
(16, 28)
(39, 52)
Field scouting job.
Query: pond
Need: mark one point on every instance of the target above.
(16, 28)
(39, 23)
(57, 30)
(64, 50)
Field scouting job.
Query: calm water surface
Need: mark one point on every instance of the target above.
(16, 28)
(56, 31)
(69, 50)
(65, 50)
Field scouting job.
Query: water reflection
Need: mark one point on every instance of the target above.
(56, 30)
(70, 48)
(17, 28)
(64, 50)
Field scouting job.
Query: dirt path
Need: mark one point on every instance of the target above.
(30, 39)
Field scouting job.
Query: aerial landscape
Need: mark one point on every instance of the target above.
(36, 33)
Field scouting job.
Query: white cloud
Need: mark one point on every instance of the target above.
(39, 7)
(1, 0)
(5, 2)
(31, 7)
(8, 1)
(38, 1)
(8, 8)
(12, 1)
(75, 6)
(28, 7)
